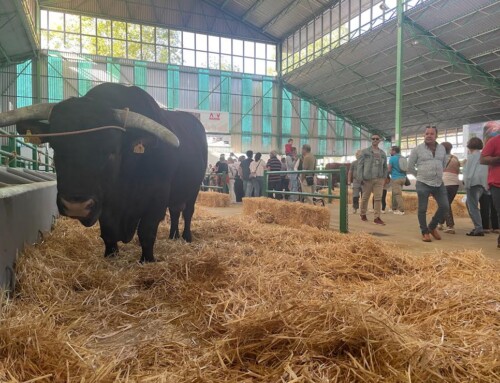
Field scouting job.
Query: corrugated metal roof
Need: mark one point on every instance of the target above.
(359, 77)
(17, 40)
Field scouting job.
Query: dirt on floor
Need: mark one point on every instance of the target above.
(404, 232)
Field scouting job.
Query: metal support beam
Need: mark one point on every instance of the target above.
(280, 14)
(455, 58)
(332, 109)
(246, 23)
(399, 74)
(251, 9)
(28, 27)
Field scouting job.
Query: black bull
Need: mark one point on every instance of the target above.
(125, 178)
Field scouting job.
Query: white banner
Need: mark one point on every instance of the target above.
(213, 121)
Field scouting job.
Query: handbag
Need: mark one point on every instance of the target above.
(407, 181)
(254, 174)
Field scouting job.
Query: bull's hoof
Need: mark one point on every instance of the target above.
(111, 251)
(174, 235)
(187, 237)
(147, 260)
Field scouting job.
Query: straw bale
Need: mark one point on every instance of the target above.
(249, 302)
(287, 213)
(213, 199)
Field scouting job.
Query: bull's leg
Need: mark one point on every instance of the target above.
(109, 238)
(148, 227)
(174, 224)
(187, 214)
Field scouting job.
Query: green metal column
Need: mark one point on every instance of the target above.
(399, 74)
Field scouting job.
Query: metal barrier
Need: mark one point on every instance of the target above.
(13, 159)
(222, 188)
(344, 226)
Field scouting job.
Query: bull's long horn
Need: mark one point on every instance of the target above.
(33, 112)
(138, 121)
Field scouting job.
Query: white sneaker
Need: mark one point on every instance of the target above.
(397, 212)
(390, 211)
(354, 211)
(383, 211)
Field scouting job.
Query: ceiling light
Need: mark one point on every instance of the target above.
(383, 6)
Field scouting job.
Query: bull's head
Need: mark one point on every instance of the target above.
(87, 164)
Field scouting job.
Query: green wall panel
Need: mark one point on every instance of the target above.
(322, 131)
(173, 87)
(339, 136)
(225, 96)
(84, 77)
(55, 82)
(247, 106)
(24, 84)
(140, 74)
(113, 70)
(203, 89)
(305, 116)
(267, 113)
(286, 116)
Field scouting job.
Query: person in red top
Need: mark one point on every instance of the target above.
(288, 147)
(491, 156)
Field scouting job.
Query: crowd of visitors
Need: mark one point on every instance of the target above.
(373, 174)
(244, 176)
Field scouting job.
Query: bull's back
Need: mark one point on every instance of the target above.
(192, 155)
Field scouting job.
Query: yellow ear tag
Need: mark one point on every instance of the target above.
(139, 148)
(32, 140)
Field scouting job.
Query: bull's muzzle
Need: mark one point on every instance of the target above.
(78, 208)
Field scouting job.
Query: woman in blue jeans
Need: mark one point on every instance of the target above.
(475, 181)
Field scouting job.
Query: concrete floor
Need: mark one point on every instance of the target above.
(404, 231)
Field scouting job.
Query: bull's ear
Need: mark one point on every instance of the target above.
(33, 127)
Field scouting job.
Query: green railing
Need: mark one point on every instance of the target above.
(344, 226)
(224, 184)
(12, 159)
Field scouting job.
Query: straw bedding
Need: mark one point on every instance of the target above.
(268, 210)
(213, 199)
(249, 302)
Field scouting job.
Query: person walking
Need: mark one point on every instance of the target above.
(452, 183)
(397, 168)
(291, 164)
(307, 179)
(232, 171)
(257, 168)
(352, 179)
(372, 169)
(245, 171)
(274, 180)
(491, 156)
(239, 191)
(476, 184)
(427, 161)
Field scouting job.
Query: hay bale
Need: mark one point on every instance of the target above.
(246, 303)
(264, 216)
(411, 204)
(288, 213)
(213, 199)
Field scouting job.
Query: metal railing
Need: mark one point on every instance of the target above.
(12, 159)
(343, 219)
(224, 185)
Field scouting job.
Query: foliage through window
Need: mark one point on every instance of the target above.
(89, 35)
